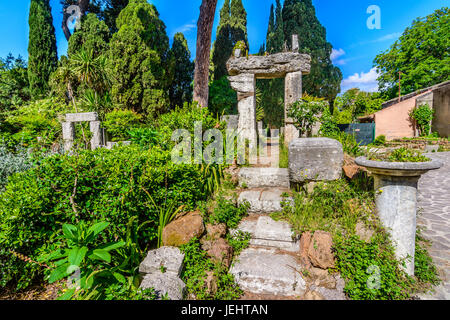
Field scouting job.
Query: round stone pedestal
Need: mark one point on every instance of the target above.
(396, 201)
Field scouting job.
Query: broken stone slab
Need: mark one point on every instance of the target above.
(315, 159)
(272, 66)
(81, 117)
(96, 130)
(244, 83)
(168, 258)
(263, 271)
(264, 177)
(165, 284)
(264, 201)
(277, 234)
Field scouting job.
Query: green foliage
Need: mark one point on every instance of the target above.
(183, 72)
(42, 55)
(119, 122)
(328, 125)
(93, 35)
(222, 99)
(106, 185)
(89, 264)
(226, 212)
(424, 268)
(330, 207)
(423, 115)
(358, 262)
(380, 140)
(400, 155)
(212, 177)
(355, 103)
(144, 137)
(12, 162)
(138, 55)
(239, 241)
(421, 54)
(14, 85)
(36, 123)
(348, 141)
(196, 266)
(305, 113)
(111, 12)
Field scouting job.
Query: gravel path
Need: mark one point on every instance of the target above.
(434, 220)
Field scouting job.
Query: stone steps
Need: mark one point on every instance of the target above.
(264, 200)
(264, 177)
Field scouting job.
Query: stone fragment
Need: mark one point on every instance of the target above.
(169, 259)
(219, 250)
(165, 284)
(264, 201)
(182, 230)
(211, 283)
(96, 130)
(320, 250)
(350, 168)
(263, 271)
(68, 131)
(312, 295)
(363, 232)
(82, 117)
(216, 231)
(315, 159)
(277, 234)
(305, 241)
(264, 177)
(322, 278)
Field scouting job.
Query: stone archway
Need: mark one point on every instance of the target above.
(243, 73)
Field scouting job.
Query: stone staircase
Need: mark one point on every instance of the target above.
(271, 266)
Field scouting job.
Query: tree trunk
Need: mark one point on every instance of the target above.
(83, 5)
(204, 31)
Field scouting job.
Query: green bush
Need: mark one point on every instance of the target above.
(380, 140)
(12, 162)
(226, 212)
(423, 115)
(106, 185)
(119, 122)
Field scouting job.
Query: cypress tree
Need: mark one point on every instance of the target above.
(299, 17)
(42, 52)
(183, 73)
(270, 27)
(238, 22)
(222, 47)
(138, 56)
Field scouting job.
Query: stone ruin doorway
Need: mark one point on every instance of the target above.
(243, 73)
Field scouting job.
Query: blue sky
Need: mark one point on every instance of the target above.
(355, 45)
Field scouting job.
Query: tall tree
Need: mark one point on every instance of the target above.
(271, 26)
(112, 11)
(222, 47)
(183, 73)
(138, 58)
(14, 85)
(42, 53)
(421, 54)
(204, 33)
(92, 35)
(275, 41)
(82, 7)
(238, 22)
(299, 17)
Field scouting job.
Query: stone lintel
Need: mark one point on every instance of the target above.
(268, 67)
(82, 117)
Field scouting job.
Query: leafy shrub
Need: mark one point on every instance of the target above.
(106, 185)
(360, 263)
(306, 112)
(12, 162)
(400, 155)
(239, 241)
(144, 136)
(226, 212)
(119, 122)
(380, 140)
(349, 143)
(328, 125)
(423, 115)
(196, 265)
(222, 98)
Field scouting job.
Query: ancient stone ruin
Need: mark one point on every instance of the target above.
(68, 129)
(243, 74)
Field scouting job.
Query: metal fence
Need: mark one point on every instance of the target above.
(364, 132)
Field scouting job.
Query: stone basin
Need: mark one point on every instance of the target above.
(396, 201)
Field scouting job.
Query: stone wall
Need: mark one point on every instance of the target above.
(441, 105)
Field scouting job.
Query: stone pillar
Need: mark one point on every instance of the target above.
(396, 206)
(292, 93)
(96, 140)
(68, 131)
(244, 84)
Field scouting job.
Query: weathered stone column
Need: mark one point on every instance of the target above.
(292, 93)
(244, 84)
(396, 201)
(96, 140)
(68, 131)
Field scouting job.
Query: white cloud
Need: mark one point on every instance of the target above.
(391, 36)
(336, 53)
(365, 81)
(186, 28)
